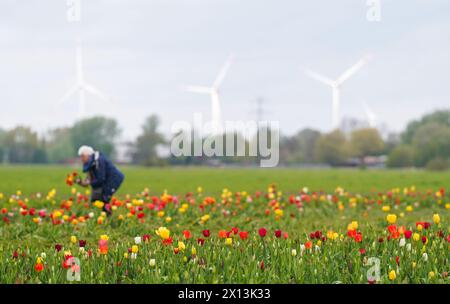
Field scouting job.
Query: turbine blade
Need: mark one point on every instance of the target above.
(196, 89)
(371, 116)
(70, 92)
(355, 68)
(320, 78)
(94, 91)
(223, 71)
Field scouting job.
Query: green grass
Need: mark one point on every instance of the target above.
(180, 180)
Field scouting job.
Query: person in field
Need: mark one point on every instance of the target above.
(103, 177)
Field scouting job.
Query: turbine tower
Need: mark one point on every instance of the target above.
(81, 86)
(336, 87)
(213, 92)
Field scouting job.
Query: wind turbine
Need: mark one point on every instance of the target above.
(336, 86)
(81, 86)
(213, 92)
(371, 116)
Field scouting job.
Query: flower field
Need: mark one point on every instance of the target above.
(398, 235)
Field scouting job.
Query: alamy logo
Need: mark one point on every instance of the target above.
(374, 10)
(239, 139)
(73, 10)
(373, 273)
(74, 270)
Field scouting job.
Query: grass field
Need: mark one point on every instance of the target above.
(236, 229)
(181, 180)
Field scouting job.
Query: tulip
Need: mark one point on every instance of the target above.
(262, 232)
(392, 275)
(152, 262)
(163, 232)
(38, 267)
(181, 246)
(137, 240)
(229, 241)
(278, 233)
(187, 234)
(391, 218)
(243, 235)
(436, 219)
(206, 233)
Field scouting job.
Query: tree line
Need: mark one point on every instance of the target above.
(424, 143)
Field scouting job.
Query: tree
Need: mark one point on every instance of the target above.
(145, 148)
(2, 145)
(440, 117)
(98, 132)
(332, 148)
(21, 144)
(401, 156)
(59, 146)
(366, 142)
(431, 140)
(300, 147)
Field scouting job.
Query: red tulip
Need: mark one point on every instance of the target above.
(278, 233)
(187, 234)
(235, 230)
(201, 241)
(318, 234)
(206, 233)
(58, 247)
(424, 239)
(38, 267)
(408, 234)
(243, 235)
(262, 232)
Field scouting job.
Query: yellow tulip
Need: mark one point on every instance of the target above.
(436, 219)
(392, 275)
(391, 218)
(73, 239)
(163, 232)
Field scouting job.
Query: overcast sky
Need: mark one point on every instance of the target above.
(139, 52)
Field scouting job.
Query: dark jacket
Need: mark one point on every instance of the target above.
(103, 174)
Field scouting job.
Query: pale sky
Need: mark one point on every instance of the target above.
(140, 52)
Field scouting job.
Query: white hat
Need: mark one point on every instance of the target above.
(85, 150)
